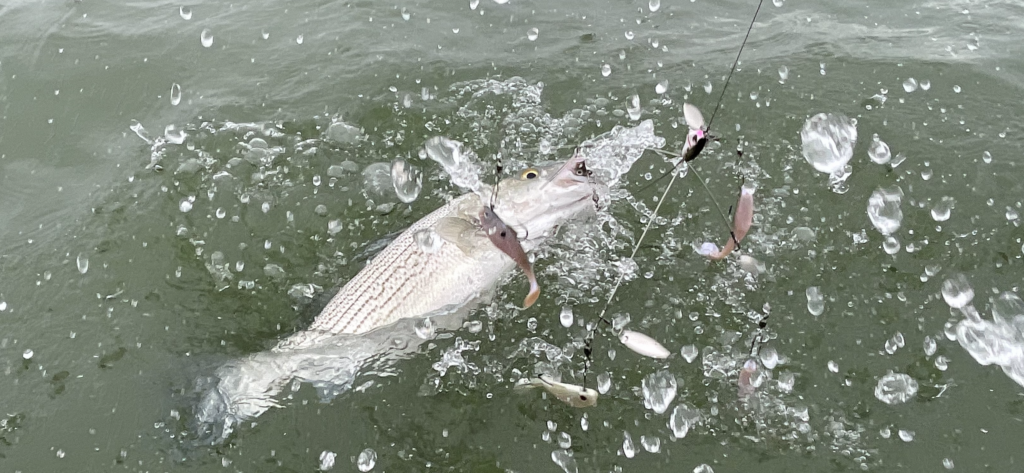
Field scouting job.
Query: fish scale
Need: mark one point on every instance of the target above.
(382, 292)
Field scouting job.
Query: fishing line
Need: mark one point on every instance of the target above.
(588, 347)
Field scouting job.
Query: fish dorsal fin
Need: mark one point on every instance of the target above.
(459, 232)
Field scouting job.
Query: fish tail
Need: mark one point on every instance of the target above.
(534, 294)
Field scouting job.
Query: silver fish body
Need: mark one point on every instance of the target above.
(445, 260)
(436, 267)
(571, 394)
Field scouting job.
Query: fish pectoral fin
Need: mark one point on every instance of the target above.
(458, 232)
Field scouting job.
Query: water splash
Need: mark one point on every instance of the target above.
(206, 38)
(459, 162)
(896, 388)
(407, 180)
(659, 390)
(878, 150)
(884, 209)
(828, 140)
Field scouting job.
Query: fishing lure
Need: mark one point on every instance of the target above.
(506, 239)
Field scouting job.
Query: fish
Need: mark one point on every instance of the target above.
(643, 344)
(435, 269)
(571, 394)
(447, 259)
(743, 219)
(697, 137)
(745, 383)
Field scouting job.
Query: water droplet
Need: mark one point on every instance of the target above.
(473, 4)
(891, 245)
(654, 5)
(770, 358)
(910, 84)
(83, 263)
(630, 35)
(815, 300)
(606, 70)
(185, 12)
(878, 150)
(942, 209)
(327, 460)
(947, 463)
(175, 94)
(206, 37)
(754, 95)
(3, 305)
(828, 140)
(650, 443)
(428, 240)
(926, 84)
(703, 468)
(334, 226)
(407, 180)
(833, 366)
(604, 382)
(264, 34)
(564, 459)
(405, 14)
(662, 87)
(174, 135)
(299, 39)
(566, 316)
(367, 459)
(783, 74)
(689, 353)
(532, 34)
(707, 87)
(884, 209)
(929, 345)
(956, 89)
(633, 108)
(186, 204)
(28, 354)
(628, 448)
(659, 389)
(906, 435)
(957, 292)
(986, 157)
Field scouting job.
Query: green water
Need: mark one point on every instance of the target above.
(117, 347)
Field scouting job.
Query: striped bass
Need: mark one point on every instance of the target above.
(445, 260)
(439, 265)
(436, 268)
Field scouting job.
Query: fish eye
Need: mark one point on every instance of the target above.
(530, 174)
(583, 397)
(581, 169)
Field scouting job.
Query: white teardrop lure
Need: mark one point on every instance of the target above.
(743, 218)
(643, 344)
